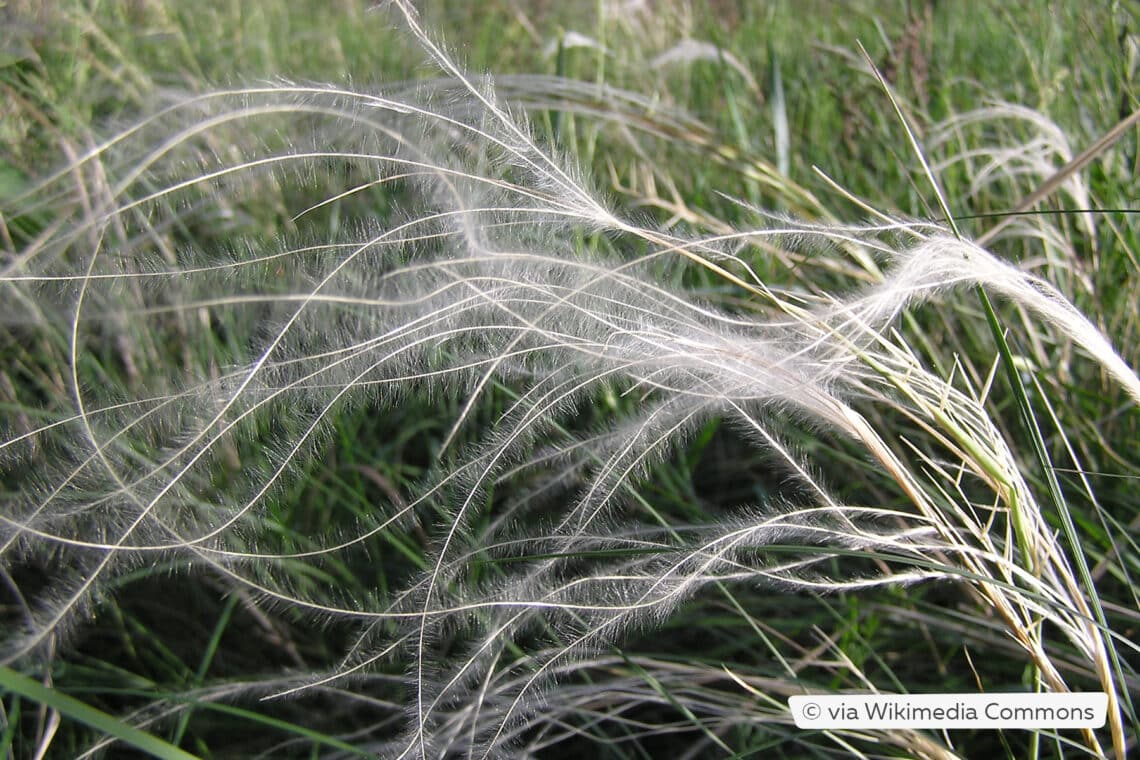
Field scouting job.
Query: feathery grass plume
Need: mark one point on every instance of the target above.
(182, 389)
(1036, 156)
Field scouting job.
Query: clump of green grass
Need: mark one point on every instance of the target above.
(229, 300)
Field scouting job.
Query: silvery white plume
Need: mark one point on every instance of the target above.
(488, 269)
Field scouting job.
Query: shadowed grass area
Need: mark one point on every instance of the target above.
(357, 405)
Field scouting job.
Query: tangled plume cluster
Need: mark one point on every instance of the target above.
(494, 270)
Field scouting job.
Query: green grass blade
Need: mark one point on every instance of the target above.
(15, 683)
(316, 737)
(1019, 392)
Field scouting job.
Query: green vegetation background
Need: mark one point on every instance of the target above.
(71, 70)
